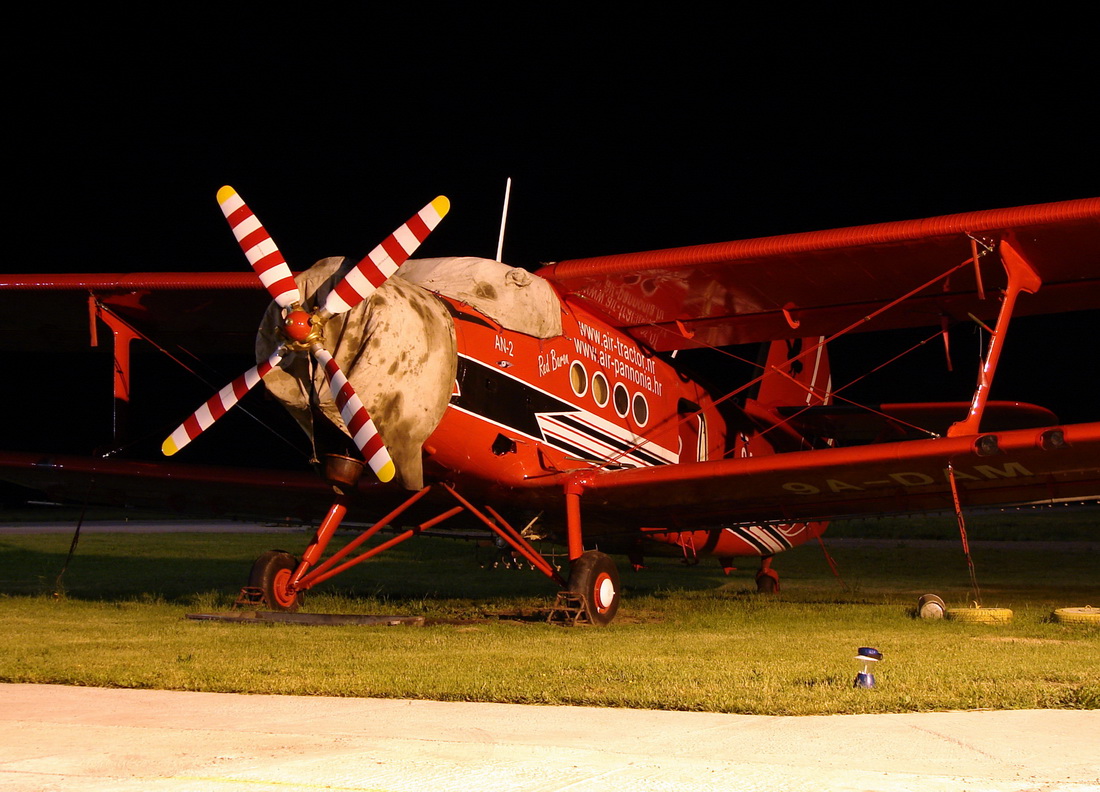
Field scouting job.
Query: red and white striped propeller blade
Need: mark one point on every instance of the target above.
(259, 248)
(217, 405)
(355, 416)
(378, 265)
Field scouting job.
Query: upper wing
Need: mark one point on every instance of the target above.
(210, 311)
(821, 282)
(1021, 466)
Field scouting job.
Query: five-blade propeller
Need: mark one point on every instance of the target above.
(304, 330)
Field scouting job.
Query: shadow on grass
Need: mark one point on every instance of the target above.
(433, 574)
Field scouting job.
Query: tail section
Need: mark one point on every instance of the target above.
(795, 377)
(796, 374)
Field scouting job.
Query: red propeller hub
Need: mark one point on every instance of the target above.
(297, 326)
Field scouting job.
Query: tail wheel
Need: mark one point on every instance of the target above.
(767, 579)
(767, 583)
(595, 577)
(271, 573)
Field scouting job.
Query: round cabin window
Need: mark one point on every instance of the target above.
(641, 409)
(600, 391)
(578, 378)
(622, 400)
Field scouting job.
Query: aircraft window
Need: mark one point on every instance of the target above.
(600, 390)
(641, 410)
(622, 400)
(578, 378)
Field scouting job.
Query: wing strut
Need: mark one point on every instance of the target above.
(977, 592)
(1021, 278)
(123, 334)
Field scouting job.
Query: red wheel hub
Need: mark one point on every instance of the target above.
(603, 592)
(279, 588)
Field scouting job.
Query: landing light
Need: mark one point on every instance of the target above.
(1052, 439)
(986, 445)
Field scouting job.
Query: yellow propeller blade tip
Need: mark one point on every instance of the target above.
(386, 472)
(168, 447)
(442, 205)
(225, 193)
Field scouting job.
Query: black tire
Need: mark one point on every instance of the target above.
(595, 577)
(270, 574)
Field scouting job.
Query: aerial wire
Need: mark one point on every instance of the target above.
(59, 586)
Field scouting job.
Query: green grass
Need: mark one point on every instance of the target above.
(686, 637)
(1062, 523)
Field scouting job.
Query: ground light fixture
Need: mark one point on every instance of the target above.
(866, 655)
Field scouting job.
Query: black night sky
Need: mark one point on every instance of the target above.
(621, 133)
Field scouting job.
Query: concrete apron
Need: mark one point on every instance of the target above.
(68, 738)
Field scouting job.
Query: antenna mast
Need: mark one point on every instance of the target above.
(504, 218)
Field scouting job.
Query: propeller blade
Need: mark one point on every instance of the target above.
(259, 248)
(217, 405)
(378, 265)
(355, 416)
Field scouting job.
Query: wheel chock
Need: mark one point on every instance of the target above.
(569, 609)
(251, 597)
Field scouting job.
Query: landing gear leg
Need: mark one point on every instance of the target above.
(595, 577)
(767, 579)
(271, 573)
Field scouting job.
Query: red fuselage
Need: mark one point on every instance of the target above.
(527, 412)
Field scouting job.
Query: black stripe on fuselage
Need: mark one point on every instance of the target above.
(503, 399)
(510, 402)
(748, 538)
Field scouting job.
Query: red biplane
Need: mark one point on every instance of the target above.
(552, 404)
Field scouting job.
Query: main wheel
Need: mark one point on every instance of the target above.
(271, 573)
(595, 577)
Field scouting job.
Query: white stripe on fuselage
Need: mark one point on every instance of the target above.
(601, 436)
